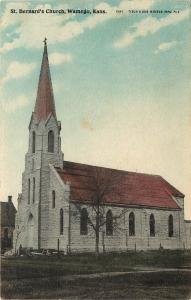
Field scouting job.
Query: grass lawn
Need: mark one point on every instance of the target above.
(44, 277)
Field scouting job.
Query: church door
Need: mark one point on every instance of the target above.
(30, 236)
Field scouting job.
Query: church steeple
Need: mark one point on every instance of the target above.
(44, 105)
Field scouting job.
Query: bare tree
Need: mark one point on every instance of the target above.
(104, 185)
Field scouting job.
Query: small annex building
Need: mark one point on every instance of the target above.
(8, 212)
(61, 200)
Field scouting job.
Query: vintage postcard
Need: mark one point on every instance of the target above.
(95, 149)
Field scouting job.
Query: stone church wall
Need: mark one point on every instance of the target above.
(120, 240)
(61, 202)
(187, 234)
(35, 233)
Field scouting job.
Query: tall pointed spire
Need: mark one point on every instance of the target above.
(44, 105)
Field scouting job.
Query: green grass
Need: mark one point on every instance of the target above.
(42, 277)
(22, 267)
(168, 285)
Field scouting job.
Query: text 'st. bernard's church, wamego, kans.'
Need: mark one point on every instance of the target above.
(83, 207)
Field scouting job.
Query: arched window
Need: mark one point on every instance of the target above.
(34, 187)
(170, 226)
(109, 223)
(29, 190)
(84, 222)
(131, 224)
(6, 240)
(152, 225)
(32, 164)
(6, 235)
(33, 141)
(53, 199)
(51, 141)
(61, 221)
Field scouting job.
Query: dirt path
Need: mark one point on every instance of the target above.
(140, 283)
(108, 274)
(113, 274)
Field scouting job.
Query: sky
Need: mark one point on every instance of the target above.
(121, 83)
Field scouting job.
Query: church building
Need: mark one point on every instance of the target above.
(80, 208)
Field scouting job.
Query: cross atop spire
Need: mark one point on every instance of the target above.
(44, 105)
(45, 40)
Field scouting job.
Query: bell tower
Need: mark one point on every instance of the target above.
(44, 148)
(44, 128)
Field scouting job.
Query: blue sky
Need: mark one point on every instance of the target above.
(121, 84)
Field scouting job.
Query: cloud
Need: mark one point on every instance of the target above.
(86, 123)
(12, 105)
(58, 58)
(148, 26)
(60, 28)
(165, 46)
(17, 70)
(31, 30)
(7, 19)
(136, 4)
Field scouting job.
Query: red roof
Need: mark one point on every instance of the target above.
(133, 189)
(45, 99)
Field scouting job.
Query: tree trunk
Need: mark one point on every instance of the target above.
(97, 235)
(97, 242)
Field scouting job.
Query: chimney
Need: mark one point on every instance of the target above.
(9, 199)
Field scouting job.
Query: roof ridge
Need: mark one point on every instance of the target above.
(108, 168)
